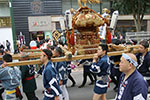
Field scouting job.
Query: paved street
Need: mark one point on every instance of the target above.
(76, 93)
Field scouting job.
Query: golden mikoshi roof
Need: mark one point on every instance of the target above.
(90, 1)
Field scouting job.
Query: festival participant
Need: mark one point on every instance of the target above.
(69, 69)
(28, 79)
(132, 84)
(10, 78)
(115, 73)
(50, 78)
(1, 87)
(86, 72)
(144, 60)
(8, 45)
(61, 68)
(101, 66)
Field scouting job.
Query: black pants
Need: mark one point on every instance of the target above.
(85, 74)
(71, 78)
(115, 73)
(114, 80)
(31, 96)
(8, 47)
(94, 75)
(1, 91)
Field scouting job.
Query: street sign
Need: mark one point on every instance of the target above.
(56, 35)
(39, 23)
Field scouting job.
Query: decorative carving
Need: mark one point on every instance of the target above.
(87, 21)
(85, 2)
(36, 7)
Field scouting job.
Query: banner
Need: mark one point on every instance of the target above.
(40, 23)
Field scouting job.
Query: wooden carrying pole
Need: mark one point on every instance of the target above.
(113, 46)
(68, 53)
(59, 59)
(38, 54)
(31, 55)
(31, 50)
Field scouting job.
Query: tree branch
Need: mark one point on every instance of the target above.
(141, 19)
(142, 15)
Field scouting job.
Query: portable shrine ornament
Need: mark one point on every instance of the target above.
(87, 22)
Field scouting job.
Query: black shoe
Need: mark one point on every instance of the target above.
(81, 86)
(73, 84)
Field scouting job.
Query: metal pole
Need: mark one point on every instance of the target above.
(71, 3)
(12, 25)
(100, 7)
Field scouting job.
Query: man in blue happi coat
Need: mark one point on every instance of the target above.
(50, 78)
(61, 68)
(143, 59)
(28, 78)
(10, 78)
(132, 84)
(101, 66)
(1, 87)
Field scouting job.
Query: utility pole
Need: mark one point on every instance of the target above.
(12, 25)
(100, 4)
(71, 3)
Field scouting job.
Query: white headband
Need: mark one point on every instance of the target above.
(130, 59)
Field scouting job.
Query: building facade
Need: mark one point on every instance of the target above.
(23, 9)
(5, 24)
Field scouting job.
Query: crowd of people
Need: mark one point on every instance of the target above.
(131, 76)
(6, 48)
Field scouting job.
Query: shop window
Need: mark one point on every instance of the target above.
(39, 34)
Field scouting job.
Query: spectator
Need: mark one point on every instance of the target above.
(8, 45)
(33, 44)
(2, 47)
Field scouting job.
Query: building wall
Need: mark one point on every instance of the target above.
(4, 10)
(5, 27)
(148, 25)
(24, 8)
